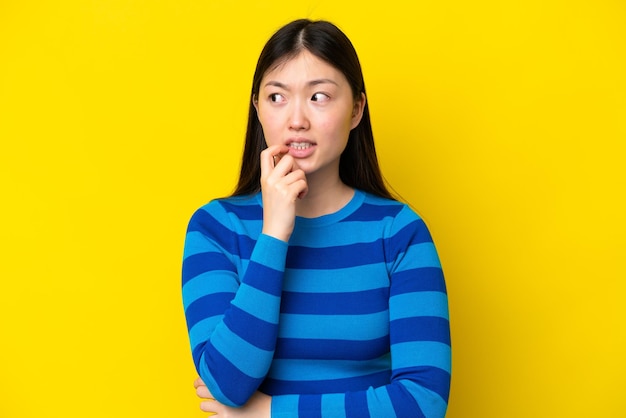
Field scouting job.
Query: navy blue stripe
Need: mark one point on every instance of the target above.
(232, 242)
(207, 306)
(374, 213)
(259, 280)
(424, 279)
(351, 303)
(245, 212)
(310, 406)
(403, 401)
(422, 328)
(414, 232)
(257, 332)
(337, 257)
(298, 348)
(359, 383)
(197, 264)
(357, 402)
(236, 381)
(432, 378)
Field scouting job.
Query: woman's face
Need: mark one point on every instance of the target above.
(308, 105)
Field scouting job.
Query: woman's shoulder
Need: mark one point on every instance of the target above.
(248, 206)
(388, 207)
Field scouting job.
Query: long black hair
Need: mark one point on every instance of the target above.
(358, 165)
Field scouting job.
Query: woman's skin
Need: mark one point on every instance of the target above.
(307, 110)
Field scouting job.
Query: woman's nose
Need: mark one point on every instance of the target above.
(298, 118)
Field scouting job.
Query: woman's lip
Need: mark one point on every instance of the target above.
(297, 152)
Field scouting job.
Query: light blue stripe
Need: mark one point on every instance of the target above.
(211, 383)
(422, 353)
(373, 276)
(335, 327)
(405, 217)
(318, 369)
(239, 352)
(334, 405)
(284, 406)
(344, 233)
(379, 403)
(414, 304)
(202, 330)
(431, 404)
(270, 252)
(258, 303)
(420, 256)
(199, 286)
(196, 243)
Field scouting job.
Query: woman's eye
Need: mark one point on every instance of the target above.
(277, 98)
(320, 97)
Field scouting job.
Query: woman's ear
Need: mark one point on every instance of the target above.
(255, 102)
(357, 111)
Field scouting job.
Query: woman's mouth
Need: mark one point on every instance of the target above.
(300, 145)
(301, 149)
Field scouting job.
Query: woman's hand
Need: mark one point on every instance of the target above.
(282, 183)
(258, 406)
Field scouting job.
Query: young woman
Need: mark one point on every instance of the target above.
(311, 292)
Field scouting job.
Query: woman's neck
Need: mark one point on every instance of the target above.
(324, 196)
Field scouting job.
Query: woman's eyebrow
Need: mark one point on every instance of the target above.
(315, 82)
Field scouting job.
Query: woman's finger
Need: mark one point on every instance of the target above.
(271, 156)
(203, 392)
(198, 382)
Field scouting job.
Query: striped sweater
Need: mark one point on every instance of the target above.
(348, 319)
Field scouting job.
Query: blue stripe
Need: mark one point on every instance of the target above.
(215, 364)
(343, 234)
(401, 397)
(258, 303)
(244, 209)
(354, 303)
(358, 254)
(334, 405)
(239, 352)
(207, 306)
(424, 328)
(407, 305)
(197, 264)
(374, 213)
(253, 330)
(334, 327)
(379, 403)
(338, 385)
(422, 255)
(339, 280)
(207, 284)
(201, 331)
(196, 242)
(431, 378)
(358, 405)
(229, 240)
(431, 403)
(317, 369)
(423, 279)
(264, 278)
(296, 348)
(310, 406)
(423, 353)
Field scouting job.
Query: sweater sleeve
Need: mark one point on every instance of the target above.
(232, 320)
(419, 335)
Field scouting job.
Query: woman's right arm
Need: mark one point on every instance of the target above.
(232, 321)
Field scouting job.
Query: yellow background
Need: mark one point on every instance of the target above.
(503, 123)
